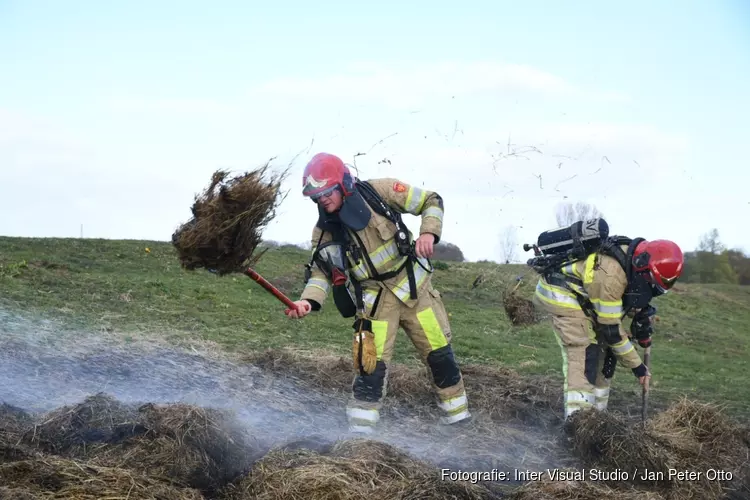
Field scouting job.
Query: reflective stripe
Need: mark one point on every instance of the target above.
(320, 283)
(601, 397)
(380, 330)
(429, 323)
(454, 405)
(571, 270)
(601, 393)
(385, 259)
(369, 296)
(622, 348)
(414, 200)
(578, 400)
(435, 212)
(579, 397)
(588, 272)
(556, 296)
(607, 308)
(402, 290)
(363, 416)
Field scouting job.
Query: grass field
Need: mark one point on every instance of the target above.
(130, 288)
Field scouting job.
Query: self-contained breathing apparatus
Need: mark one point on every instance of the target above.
(559, 247)
(330, 257)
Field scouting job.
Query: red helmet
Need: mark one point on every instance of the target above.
(661, 261)
(324, 173)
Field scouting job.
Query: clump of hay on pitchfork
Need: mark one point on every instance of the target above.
(228, 220)
(520, 310)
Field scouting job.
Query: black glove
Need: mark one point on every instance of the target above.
(641, 327)
(640, 371)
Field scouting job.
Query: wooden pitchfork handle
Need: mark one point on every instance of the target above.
(272, 289)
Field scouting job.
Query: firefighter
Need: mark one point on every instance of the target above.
(364, 257)
(588, 300)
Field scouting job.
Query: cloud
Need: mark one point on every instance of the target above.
(133, 104)
(403, 86)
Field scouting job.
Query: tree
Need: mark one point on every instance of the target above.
(447, 252)
(740, 264)
(508, 244)
(712, 262)
(567, 213)
(710, 242)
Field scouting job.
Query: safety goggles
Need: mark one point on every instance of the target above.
(323, 194)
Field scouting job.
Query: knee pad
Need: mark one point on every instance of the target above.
(610, 333)
(591, 363)
(443, 365)
(370, 387)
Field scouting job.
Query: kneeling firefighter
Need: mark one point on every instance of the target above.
(589, 283)
(362, 254)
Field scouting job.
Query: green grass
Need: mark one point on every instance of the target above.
(700, 347)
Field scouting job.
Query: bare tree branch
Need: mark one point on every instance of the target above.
(508, 244)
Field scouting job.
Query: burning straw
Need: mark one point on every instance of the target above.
(228, 219)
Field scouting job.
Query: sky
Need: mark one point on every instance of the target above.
(114, 115)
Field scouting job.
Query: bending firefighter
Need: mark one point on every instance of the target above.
(363, 256)
(589, 283)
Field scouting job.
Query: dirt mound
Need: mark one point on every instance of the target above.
(500, 394)
(688, 436)
(354, 469)
(227, 222)
(47, 476)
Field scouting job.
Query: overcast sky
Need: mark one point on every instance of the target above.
(113, 115)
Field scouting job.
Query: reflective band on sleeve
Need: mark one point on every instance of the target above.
(623, 348)
(414, 200)
(435, 212)
(322, 284)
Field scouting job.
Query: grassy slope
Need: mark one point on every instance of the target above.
(701, 345)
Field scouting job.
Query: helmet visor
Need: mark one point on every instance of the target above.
(323, 194)
(663, 286)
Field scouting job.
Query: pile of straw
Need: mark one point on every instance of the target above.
(228, 219)
(181, 444)
(48, 476)
(353, 470)
(688, 436)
